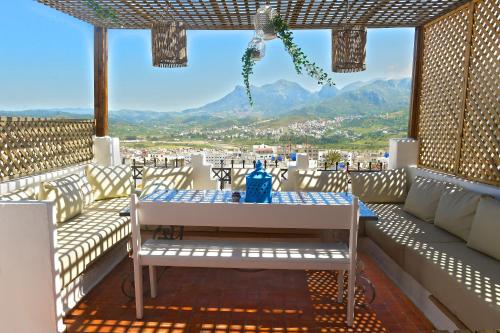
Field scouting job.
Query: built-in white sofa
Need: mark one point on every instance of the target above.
(459, 270)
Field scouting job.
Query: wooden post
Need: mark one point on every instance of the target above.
(101, 80)
(418, 52)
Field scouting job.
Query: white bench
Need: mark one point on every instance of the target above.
(340, 214)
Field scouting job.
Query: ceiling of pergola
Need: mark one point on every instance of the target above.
(237, 14)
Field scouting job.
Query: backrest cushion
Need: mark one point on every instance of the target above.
(276, 173)
(87, 191)
(423, 198)
(172, 178)
(322, 181)
(66, 195)
(388, 186)
(22, 194)
(486, 228)
(110, 182)
(456, 210)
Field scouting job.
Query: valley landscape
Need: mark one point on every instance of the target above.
(360, 116)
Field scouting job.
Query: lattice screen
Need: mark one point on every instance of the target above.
(29, 145)
(459, 115)
(480, 153)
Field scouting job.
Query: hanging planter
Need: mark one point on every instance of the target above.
(300, 61)
(169, 44)
(258, 48)
(263, 22)
(349, 49)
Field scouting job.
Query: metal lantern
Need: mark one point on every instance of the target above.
(349, 49)
(258, 185)
(169, 44)
(258, 48)
(263, 22)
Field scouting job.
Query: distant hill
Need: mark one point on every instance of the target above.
(282, 99)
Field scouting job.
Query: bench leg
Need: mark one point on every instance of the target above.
(340, 286)
(351, 282)
(138, 290)
(152, 280)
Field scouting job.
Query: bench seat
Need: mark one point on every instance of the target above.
(268, 255)
(467, 281)
(85, 237)
(395, 229)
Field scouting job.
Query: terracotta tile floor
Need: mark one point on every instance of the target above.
(225, 300)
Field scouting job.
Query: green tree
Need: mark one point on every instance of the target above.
(332, 157)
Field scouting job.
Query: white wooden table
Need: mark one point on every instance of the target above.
(216, 209)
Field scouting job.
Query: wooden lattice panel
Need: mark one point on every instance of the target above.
(237, 14)
(29, 145)
(480, 147)
(442, 90)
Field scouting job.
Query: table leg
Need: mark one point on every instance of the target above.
(152, 281)
(340, 286)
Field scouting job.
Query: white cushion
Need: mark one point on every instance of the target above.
(87, 192)
(66, 195)
(456, 210)
(170, 178)
(423, 197)
(22, 194)
(322, 181)
(388, 186)
(110, 182)
(485, 231)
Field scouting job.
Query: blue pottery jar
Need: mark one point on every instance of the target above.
(259, 185)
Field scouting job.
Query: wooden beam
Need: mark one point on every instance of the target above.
(418, 52)
(101, 80)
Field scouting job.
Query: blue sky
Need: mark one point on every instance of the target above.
(46, 61)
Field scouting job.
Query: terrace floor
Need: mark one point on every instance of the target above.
(235, 301)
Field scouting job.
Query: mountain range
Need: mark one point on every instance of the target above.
(281, 99)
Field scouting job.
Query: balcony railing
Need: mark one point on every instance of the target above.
(222, 171)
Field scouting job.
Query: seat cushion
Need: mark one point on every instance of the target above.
(485, 229)
(66, 194)
(88, 235)
(110, 182)
(396, 229)
(322, 181)
(456, 210)
(464, 280)
(388, 186)
(423, 197)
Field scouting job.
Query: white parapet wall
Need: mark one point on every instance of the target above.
(301, 163)
(107, 151)
(201, 173)
(403, 153)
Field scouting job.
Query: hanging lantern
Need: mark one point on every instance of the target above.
(169, 44)
(349, 49)
(258, 48)
(263, 22)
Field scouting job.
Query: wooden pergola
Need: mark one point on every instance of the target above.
(455, 104)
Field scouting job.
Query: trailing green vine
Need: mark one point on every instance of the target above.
(248, 64)
(102, 12)
(299, 58)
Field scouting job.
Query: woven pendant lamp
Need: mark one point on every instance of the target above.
(169, 44)
(263, 22)
(348, 46)
(349, 49)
